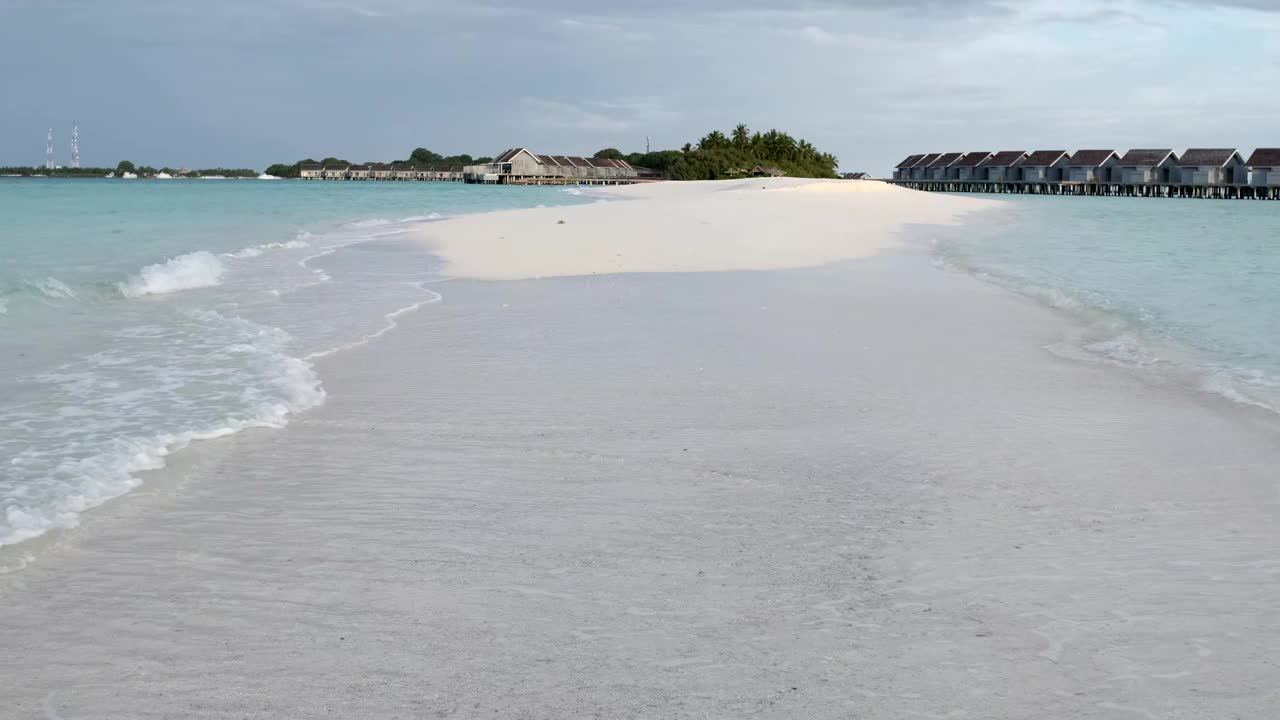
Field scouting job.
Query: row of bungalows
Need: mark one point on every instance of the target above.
(1199, 167)
(521, 166)
(377, 171)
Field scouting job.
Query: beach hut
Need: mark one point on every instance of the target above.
(402, 172)
(1003, 166)
(1223, 166)
(1090, 166)
(358, 172)
(902, 171)
(940, 167)
(857, 176)
(311, 171)
(1264, 167)
(380, 171)
(766, 171)
(336, 172)
(920, 171)
(1146, 167)
(1044, 166)
(966, 168)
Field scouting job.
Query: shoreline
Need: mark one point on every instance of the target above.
(665, 492)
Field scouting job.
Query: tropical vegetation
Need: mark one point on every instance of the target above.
(123, 167)
(420, 159)
(719, 156)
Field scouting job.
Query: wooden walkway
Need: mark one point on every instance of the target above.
(1156, 190)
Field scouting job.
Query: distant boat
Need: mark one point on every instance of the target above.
(110, 175)
(163, 176)
(129, 176)
(213, 177)
(265, 176)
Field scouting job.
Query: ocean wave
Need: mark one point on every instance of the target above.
(370, 223)
(185, 272)
(421, 218)
(52, 287)
(280, 385)
(257, 250)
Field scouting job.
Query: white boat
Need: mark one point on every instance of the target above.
(129, 176)
(265, 176)
(163, 176)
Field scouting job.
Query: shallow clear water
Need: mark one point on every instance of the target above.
(1187, 286)
(139, 316)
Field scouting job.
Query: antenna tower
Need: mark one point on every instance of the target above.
(48, 152)
(75, 146)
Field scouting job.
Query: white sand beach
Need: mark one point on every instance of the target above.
(701, 451)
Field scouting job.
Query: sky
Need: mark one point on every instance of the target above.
(246, 83)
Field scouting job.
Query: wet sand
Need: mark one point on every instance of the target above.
(866, 489)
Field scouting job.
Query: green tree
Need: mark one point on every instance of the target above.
(609, 154)
(741, 137)
(125, 166)
(423, 156)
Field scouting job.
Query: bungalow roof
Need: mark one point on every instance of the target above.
(945, 160)
(1092, 158)
(1147, 158)
(1005, 158)
(1044, 158)
(973, 159)
(1265, 157)
(1205, 157)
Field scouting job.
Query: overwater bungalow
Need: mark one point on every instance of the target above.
(1090, 166)
(311, 171)
(1003, 166)
(1146, 167)
(336, 172)
(902, 171)
(1044, 166)
(1201, 166)
(520, 166)
(358, 172)
(380, 171)
(920, 171)
(966, 168)
(1264, 167)
(403, 172)
(940, 167)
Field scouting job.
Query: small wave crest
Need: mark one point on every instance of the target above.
(199, 269)
(257, 250)
(421, 218)
(52, 287)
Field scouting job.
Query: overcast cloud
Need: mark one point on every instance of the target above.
(251, 82)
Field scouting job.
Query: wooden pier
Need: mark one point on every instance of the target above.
(1150, 190)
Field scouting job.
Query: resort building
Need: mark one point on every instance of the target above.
(1003, 166)
(358, 172)
(380, 171)
(1212, 167)
(1143, 167)
(311, 171)
(903, 169)
(966, 168)
(1264, 167)
(520, 166)
(940, 167)
(336, 172)
(920, 171)
(1044, 166)
(1090, 166)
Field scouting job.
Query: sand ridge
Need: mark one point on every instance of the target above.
(758, 224)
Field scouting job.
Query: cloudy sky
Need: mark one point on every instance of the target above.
(251, 82)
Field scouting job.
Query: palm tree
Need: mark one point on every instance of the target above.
(741, 136)
(714, 140)
(807, 150)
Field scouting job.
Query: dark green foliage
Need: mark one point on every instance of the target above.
(718, 156)
(609, 154)
(125, 166)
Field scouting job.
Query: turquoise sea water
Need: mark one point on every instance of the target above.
(138, 316)
(1188, 288)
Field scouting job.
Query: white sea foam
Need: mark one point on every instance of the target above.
(186, 272)
(276, 386)
(391, 324)
(421, 218)
(372, 222)
(256, 250)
